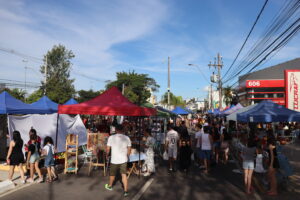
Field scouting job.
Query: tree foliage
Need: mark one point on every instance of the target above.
(85, 95)
(17, 93)
(136, 86)
(174, 100)
(227, 92)
(59, 86)
(35, 96)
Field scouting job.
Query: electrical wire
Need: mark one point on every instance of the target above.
(252, 28)
(258, 50)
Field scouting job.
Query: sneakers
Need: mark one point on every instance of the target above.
(23, 181)
(40, 180)
(108, 187)
(30, 180)
(147, 174)
(126, 194)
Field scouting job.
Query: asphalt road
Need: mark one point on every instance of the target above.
(221, 183)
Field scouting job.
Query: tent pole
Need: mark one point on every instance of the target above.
(56, 131)
(139, 121)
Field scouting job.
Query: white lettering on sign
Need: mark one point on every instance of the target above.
(254, 83)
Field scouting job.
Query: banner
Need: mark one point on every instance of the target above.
(292, 84)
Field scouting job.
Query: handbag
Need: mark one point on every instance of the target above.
(165, 156)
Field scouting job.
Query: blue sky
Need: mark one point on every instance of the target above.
(121, 35)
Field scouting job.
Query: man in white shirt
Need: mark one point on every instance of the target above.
(120, 146)
(172, 140)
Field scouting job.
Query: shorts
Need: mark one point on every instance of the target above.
(206, 154)
(34, 158)
(115, 168)
(172, 153)
(198, 150)
(217, 145)
(248, 164)
(49, 162)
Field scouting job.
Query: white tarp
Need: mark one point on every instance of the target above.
(45, 125)
(233, 116)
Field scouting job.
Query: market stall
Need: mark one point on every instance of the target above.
(110, 103)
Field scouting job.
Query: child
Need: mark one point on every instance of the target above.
(185, 153)
(48, 151)
(33, 158)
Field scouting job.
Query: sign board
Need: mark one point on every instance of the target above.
(292, 84)
(264, 83)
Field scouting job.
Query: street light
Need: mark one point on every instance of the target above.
(25, 83)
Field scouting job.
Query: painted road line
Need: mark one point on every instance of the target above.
(143, 189)
(16, 189)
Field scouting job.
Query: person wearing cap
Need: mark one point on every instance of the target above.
(120, 147)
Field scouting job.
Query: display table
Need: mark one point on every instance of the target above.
(135, 159)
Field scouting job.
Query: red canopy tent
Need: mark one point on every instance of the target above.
(111, 102)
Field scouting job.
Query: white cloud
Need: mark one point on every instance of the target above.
(90, 33)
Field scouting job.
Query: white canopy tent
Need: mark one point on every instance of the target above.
(45, 125)
(233, 116)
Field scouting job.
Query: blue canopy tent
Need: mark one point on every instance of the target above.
(232, 109)
(180, 111)
(46, 104)
(188, 110)
(10, 105)
(71, 102)
(268, 111)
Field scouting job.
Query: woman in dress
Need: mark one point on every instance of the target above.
(15, 156)
(149, 162)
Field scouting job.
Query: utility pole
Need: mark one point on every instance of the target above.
(211, 97)
(46, 68)
(218, 65)
(169, 83)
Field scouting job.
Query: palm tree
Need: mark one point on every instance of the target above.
(227, 92)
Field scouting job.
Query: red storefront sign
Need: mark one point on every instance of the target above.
(264, 83)
(292, 87)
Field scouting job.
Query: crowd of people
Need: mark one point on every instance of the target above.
(33, 154)
(211, 142)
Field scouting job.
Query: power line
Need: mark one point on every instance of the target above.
(257, 18)
(259, 51)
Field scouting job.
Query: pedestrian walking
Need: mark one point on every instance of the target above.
(248, 156)
(49, 151)
(198, 135)
(172, 140)
(206, 142)
(273, 165)
(33, 158)
(120, 147)
(149, 166)
(15, 156)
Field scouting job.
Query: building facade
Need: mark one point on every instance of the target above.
(265, 84)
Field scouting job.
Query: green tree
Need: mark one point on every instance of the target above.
(227, 92)
(59, 86)
(136, 86)
(174, 100)
(85, 95)
(15, 92)
(36, 95)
